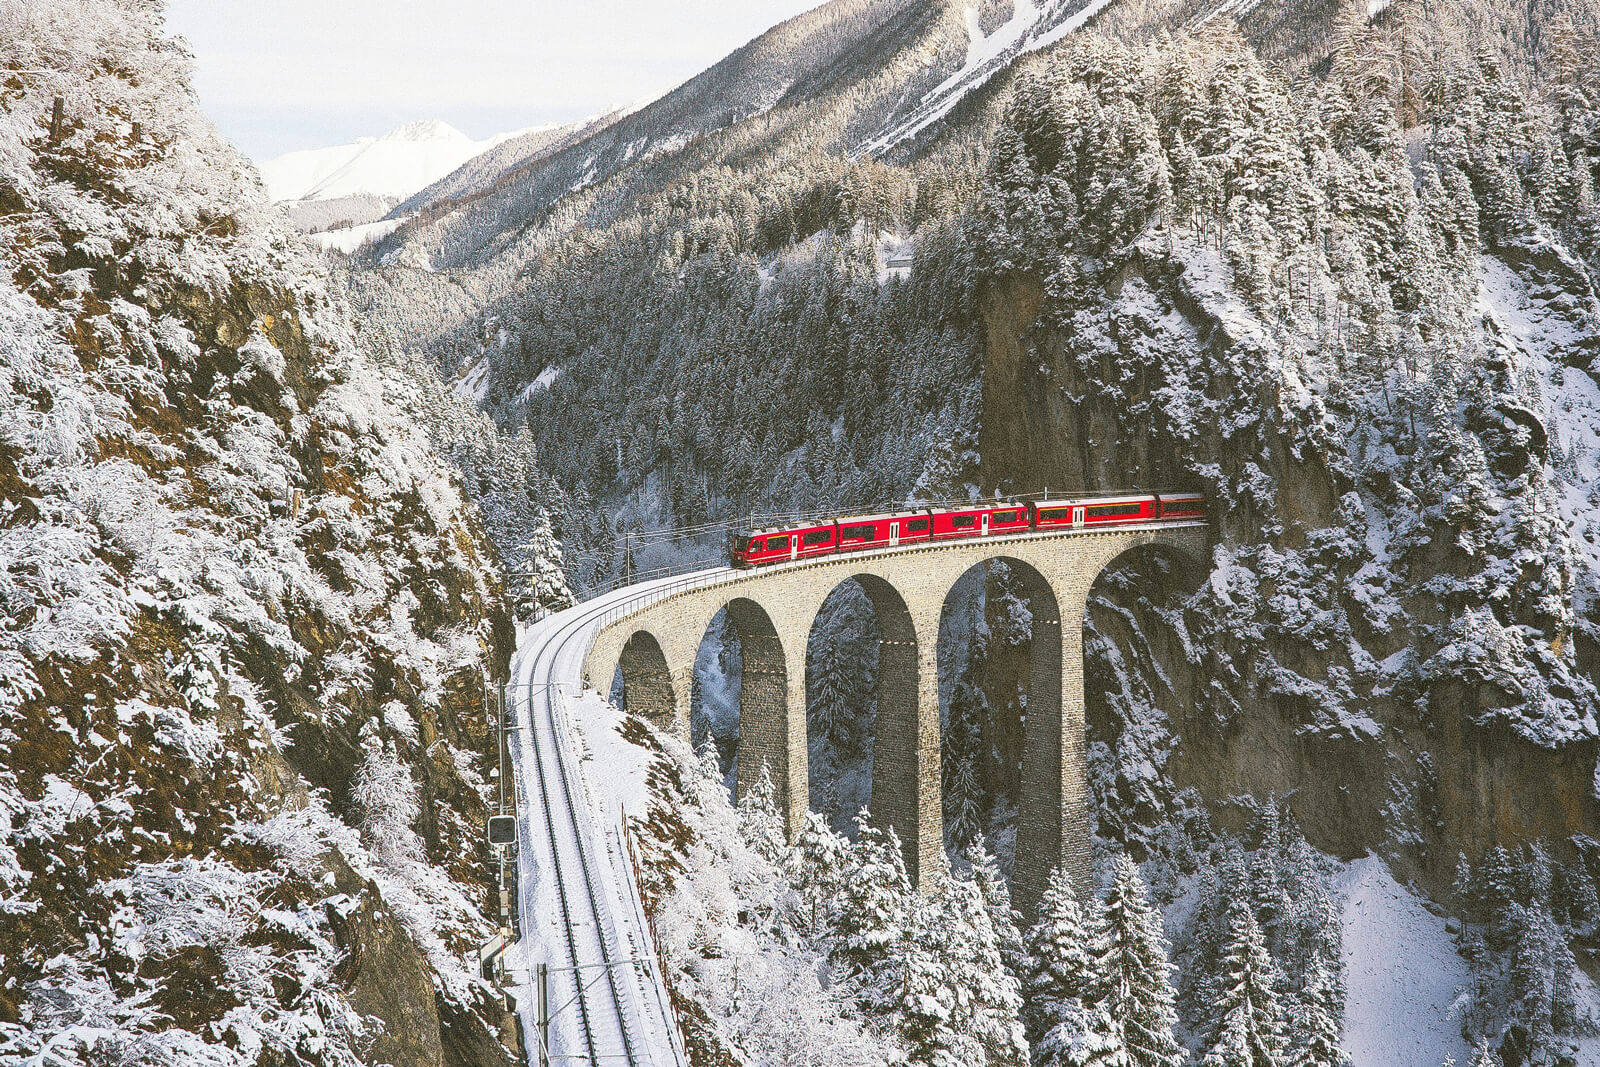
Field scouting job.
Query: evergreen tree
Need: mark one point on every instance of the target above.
(1131, 965)
(1314, 1027)
(1060, 976)
(760, 822)
(873, 916)
(970, 1002)
(997, 901)
(821, 859)
(1249, 1027)
(1483, 1055)
(1085, 1037)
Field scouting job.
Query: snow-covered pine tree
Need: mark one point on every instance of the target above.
(760, 822)
(874, 910)
(1483, 1055)
(1313, 1029)
(1060, 977)
(963, 1006)
(820, 858)
(1085, 1037)
(1130, 951)
(1249, 1027)
(997, 901)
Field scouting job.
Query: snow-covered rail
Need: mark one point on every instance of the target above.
(581, 915)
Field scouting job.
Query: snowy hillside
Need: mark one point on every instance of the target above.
(248, 611)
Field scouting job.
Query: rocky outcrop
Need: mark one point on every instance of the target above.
(249, 617)
(1209, 685)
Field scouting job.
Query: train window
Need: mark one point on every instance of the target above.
(778, 544)
(1052, 514)
(1115, 510)
(817, 537)
(917, 526)
(855, 533)
(964, 522)
(1005, 516)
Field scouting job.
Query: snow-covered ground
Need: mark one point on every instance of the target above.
(1403, 972)
(347, 239)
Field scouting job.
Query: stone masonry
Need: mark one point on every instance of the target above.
(772, 610)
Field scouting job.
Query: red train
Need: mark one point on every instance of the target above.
(859, 532)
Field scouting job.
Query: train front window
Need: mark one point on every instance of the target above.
(778, 544)
(817, 537)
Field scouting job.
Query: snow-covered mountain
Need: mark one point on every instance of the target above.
(396, 164)
(360, 182)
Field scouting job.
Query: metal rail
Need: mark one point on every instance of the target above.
(558, 644)
(555, 853)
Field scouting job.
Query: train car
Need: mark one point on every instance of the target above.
(1182, 506)
(980, 521)
(779, 545)
(1095, 511)
(860, 532)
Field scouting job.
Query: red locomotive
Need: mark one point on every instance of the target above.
(856, 533)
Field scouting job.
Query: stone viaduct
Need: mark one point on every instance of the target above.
(772, 611)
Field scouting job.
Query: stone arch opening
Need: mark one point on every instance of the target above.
(642, 683)
(999, 671)
(714, 694)
(903, 793)
(1141, 689)
(741, 686)
(842, 661)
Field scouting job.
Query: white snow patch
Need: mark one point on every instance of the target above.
(474, 384)
(1404, 974)
(545, 380)
(347, 239)
(986, 56)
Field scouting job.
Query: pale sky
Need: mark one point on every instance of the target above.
(277, 75)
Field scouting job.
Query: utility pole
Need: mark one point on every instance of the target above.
(541, 976)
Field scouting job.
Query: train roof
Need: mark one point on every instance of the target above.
(794, 527)
(909, 513)
(1096, 498)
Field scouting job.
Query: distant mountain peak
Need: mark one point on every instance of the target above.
(426, 130)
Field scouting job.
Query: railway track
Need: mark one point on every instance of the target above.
(613, 990)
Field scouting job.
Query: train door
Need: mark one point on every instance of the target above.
(1077, 516)
(894, 533)
(985, 531)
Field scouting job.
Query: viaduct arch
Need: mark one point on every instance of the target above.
(773, 610)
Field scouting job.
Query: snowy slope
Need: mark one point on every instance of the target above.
(1399, 1012)
(1034, 24)
(392, 166)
